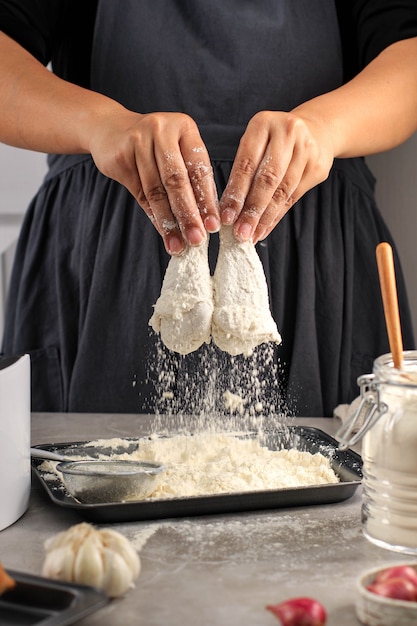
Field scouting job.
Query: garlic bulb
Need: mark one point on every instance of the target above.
(101, 558)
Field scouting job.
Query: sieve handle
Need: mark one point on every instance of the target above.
(47, 454)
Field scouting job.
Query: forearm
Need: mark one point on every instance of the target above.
(41, 112)
(375, 111)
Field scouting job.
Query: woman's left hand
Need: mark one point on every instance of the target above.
(280, 157)
(283, 155)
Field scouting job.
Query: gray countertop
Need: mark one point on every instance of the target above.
(211, 570)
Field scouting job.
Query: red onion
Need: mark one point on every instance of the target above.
(299, 612)
(397, 571)
(396, 588)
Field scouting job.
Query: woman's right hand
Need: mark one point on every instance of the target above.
(161, 159)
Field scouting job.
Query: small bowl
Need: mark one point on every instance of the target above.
(375, 610)
(99, 482)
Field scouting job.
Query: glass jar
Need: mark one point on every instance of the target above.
(389, 453)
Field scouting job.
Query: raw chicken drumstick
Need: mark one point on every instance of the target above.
(239, 319)
(242, 318)
(183, 311)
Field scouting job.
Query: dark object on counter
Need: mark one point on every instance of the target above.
(40, 601)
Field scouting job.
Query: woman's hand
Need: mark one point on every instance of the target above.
(280, 157)
(283, 155)
(161, 159)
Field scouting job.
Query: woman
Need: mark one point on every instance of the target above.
(278, 101)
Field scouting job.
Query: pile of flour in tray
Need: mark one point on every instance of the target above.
(210, 463)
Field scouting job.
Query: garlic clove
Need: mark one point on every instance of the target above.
(121, 545)
(88, 566)
(59, 564)
(117, 577)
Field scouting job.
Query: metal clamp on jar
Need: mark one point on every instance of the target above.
(367, 413)
(389, 451)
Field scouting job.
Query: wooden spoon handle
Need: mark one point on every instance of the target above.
(385, 261)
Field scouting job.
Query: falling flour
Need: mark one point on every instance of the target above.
(212, 390)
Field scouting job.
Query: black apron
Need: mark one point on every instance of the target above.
(89, 264)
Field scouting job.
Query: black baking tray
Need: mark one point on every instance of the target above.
(38, 601)
(346, 463)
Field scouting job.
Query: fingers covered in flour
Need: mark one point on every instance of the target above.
(180, 188)
(280, 157)
(162, 160)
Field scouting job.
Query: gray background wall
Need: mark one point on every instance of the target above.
(396, 172)
(20, 174)
(396, 190)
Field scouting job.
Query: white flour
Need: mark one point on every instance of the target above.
(252, 538)
(212, 463)
(233, 402)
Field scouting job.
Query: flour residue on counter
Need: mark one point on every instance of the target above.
(210, 463)
(253, 538)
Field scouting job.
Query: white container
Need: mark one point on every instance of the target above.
(15, 475)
